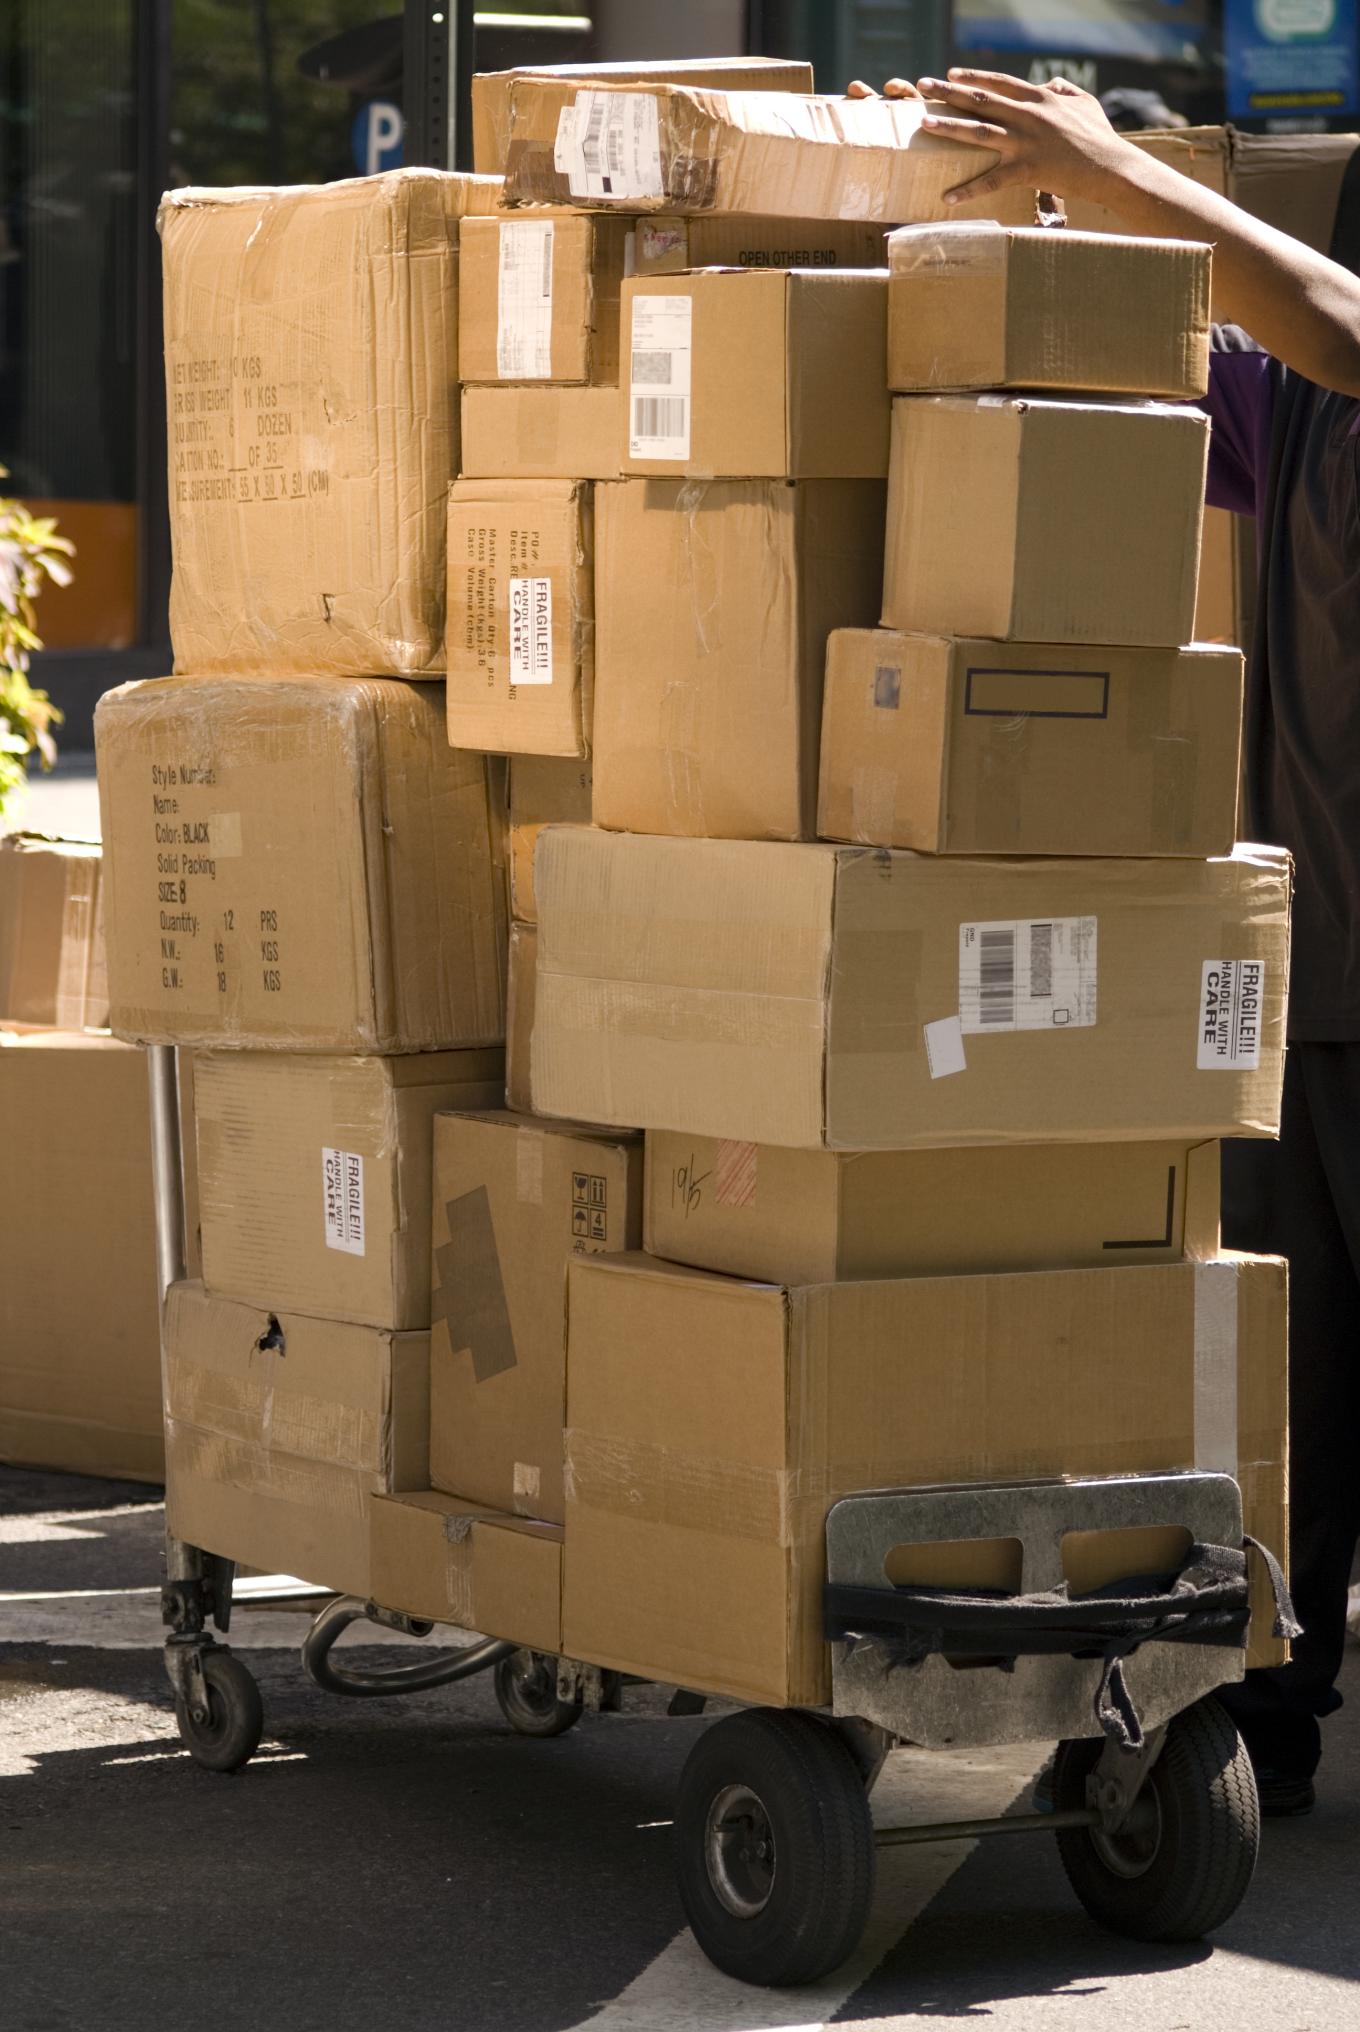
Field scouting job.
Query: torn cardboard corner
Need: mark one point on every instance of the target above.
(52, 966)
(817, 1216)
(1085, 1000)
(541, 433)
(713, 607)
(521, 995)
(302, 863)
(449, 1561)
(673, 148)
(712, 1423)
(539, 298)
(750, 374)
(980, 747)
(1061, 521)
(544, 790)
(977, 305)
(315, 1176)
(310, 341)
(514, 1199)
(521, 616)
(281, 1429)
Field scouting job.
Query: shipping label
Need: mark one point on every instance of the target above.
(1035, 974)
(524, 300)
(531, 660)
(659, 377)
(609, 146)
(1231, 995)
(342, 1184)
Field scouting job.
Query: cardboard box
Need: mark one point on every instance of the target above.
(969, 747)
(80, 1362)
(1057, 522)
(817, 1216)
(281, 1429)
(713, 1423)
(867, 1000)
(314, 1176)
(454, 1562)
(521, 995)
(514, 1200)
(521, 617)
(675, 148)
(311, 344)
(543, 791)
(1218, 599)
(979, 305)
(300, 864)
(713, 606)
(529, 432)
(669, 245)
(52, 966)
(539, 298)
(739, 373)
(491, 89)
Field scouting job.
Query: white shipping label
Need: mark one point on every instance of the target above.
(531, 659)
(659, 377)
(609, 146)
(1036, 974)
(524, 300)
(1231, 994)
(342, 1180)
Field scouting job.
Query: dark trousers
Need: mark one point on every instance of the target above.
(1300, 1198)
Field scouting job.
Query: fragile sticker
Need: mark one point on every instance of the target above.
(524, 300)
(1027, 974)
(1230, 1003)
(530, 633)
(659, 377)
(342, 1179)
(609, 146)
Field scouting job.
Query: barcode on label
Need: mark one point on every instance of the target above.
(996, 976)
(1031, 974)
(591, 153)
(608, 145)
(653, 369)
(663, 417)
(524, 300)
(659, 357)
(1041, 959)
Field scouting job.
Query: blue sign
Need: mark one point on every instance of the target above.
(1286, 58)
(376, 137)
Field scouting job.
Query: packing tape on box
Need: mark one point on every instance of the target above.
(254, 1412)
(1216, 1367)
(251, 1469)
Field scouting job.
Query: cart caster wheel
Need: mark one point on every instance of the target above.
(1181, 1863)
(228, 1735)
(526, 1688)
(774, 1847)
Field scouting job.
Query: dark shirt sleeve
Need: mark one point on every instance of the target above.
(1240, 405)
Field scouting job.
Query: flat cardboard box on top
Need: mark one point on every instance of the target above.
(544, 790)
(539, 298)
(668, 246)
(524, 432)
(862, 999)
(304, 864)
(521, 616)
(712, 1423)
(713, 607)
(974, 747)
(281, 1429)
(315, 1176)
(817, 1216)
(756, 374)
(1059, 521)
(52, 966)
(311, 344)
(514, 1200)
(448, 1561)
(521, 995)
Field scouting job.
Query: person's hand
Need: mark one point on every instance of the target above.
(895, 88)
(1052, 137)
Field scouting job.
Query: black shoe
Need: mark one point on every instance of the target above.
(1283, 1794)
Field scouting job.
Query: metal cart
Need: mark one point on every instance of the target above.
(1151, 1797)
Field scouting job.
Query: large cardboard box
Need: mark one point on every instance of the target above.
(521, 616)
(311, 349)
(543, 791)
(675, 148)
(454, 1562)
(314, 1176)
(668, 246)
(978, 305)
(740, 373)
(539, 298)
(711, 1425)
(816, 1216)
(280, 1430)
(521, 995)
(80, 1362)
(971, 747)
(52, 966)
(1053, 521)
(868, 1000)
(491, 89)
(514, 1199)
(1218, 598)
(305, 865)
(529, 432)
(713, 608)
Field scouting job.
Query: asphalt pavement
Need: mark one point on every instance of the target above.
(414, 1864)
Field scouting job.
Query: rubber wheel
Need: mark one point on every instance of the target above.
(1181, 1863)
(526, 1687)
(774, 1847)
(229, 1734)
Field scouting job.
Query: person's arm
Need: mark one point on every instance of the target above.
(1298, 305)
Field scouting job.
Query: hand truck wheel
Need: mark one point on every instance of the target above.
(227, 1734)
(526, 1688)
(1181, 1862)
(774, 1846)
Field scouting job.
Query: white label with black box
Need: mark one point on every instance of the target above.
(1027, 974)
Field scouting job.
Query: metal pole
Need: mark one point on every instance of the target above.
(167, 1167)
(973, 1830)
